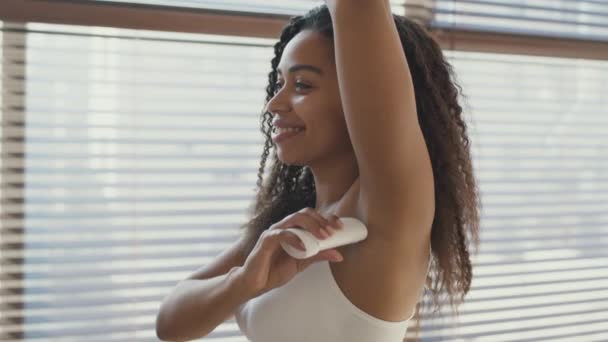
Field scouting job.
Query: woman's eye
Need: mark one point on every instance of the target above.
(278, 86)
(302, 85)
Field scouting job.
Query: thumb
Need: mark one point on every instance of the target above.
(331, 255)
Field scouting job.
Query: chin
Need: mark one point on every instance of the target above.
(290, 160)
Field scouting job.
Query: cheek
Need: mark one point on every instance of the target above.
(335, 131)
(324, 117)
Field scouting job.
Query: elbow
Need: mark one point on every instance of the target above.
(169, 332)
(162, 332)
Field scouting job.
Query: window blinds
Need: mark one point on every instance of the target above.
(140, 158)
(292, 7)
(540, 152)
(587, 20)
(129, 158)
(254, 6)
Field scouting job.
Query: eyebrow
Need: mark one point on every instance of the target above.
(307, 67)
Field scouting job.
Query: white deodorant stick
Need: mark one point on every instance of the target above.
(352, 232)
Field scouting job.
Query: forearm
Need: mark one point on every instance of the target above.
(332, 5)
(370, 61)
(196, 307)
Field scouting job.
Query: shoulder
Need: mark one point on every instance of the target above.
(398, 267)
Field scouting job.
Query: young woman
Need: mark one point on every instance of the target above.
(363, 118)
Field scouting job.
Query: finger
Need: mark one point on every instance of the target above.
(285, 222)
(281, 235)
(331, 255)
(336, 222)
(276, 236)
(322, 221)
(303, 264)
(308, 219)
(263, 247)
(294, 240)
(311, 224)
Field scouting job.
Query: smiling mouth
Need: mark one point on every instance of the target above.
(286, 135)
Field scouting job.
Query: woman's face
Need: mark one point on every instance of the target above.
(309, 96)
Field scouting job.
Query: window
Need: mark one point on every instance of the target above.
(129, 157)
(585, 20)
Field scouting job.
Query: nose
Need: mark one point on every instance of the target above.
(278, 104)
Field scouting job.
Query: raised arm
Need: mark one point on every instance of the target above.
(379, 105)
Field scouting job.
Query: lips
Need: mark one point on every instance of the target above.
(284, 123)
(286, 135)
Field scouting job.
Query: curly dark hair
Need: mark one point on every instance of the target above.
(289, 188)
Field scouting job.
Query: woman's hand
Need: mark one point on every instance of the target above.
(268, 266)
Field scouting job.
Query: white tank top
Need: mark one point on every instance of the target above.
(312, 308)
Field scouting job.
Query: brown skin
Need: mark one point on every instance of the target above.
(307, 98)
(314, 101)
(283, 189)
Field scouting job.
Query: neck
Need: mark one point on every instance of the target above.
(333, 178)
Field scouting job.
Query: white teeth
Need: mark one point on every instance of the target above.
(289, 129)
